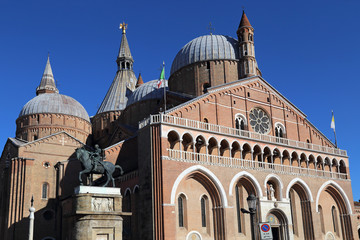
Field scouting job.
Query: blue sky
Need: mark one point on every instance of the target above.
(308, 50)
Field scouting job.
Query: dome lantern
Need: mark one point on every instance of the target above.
(47, 83)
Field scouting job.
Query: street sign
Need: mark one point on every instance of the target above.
(265, 231)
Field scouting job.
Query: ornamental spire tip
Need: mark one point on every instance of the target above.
(123, 26)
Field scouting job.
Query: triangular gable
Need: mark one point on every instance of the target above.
(57, 146)
(10, 149)
(51, 136)
(254, 83)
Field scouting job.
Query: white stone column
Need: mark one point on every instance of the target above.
(31, 217)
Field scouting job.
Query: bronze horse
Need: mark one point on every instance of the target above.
(105, 168)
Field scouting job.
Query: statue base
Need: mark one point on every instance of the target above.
(93, 213)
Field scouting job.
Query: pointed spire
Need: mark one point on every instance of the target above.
(47, 84)
(124, 51)
(124, 81)
(244, 21)
(139, 81)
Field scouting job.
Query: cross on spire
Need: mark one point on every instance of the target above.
(123, 26)
(210, 28)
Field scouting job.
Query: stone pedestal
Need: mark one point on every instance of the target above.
(93, 213)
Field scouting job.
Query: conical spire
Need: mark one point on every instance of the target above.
(244, 21)
(124, 81)
(47, 84)
(124, 51)
(139, 81)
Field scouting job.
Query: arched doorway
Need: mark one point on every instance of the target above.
(279, 224)
(196, 215)
(336, 210)
(300, 206)
(245, 185)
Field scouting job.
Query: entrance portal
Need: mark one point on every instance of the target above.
(279, 224)
(275, 232)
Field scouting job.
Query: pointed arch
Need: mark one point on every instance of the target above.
(304, 185)
(173, 139)
(127, 191)
(206, 172)
(341, 191)
(187, 142)
(224, 148)
(136, 187)
(279, 182)
(298, 193)
(236, 178)
(235, 150)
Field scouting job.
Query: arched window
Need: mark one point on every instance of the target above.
(45, 189)
(238, 208)
(279, 130)
(334, 218)
(240, 122)
(203, 211)
(206, 121)
(321, 219)
(181, 210)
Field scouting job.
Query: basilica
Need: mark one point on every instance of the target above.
(194, 149)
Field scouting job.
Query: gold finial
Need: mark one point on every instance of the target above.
(123, 26)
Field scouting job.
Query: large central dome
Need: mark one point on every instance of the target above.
(208, 47)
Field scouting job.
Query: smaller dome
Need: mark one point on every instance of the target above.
(204, 48)
(54, 103)
(146, 91)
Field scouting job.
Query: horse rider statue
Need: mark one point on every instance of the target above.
(96, 157)
(92, 162)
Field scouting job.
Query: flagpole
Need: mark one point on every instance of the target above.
(164, 88)
(333, 120)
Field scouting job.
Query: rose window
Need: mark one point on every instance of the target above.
(259, 121)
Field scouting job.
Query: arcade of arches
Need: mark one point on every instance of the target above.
(290, 206)
(319, 165)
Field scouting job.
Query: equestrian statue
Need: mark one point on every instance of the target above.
(92, 162)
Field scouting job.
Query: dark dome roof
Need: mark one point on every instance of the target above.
(54, 103)
(148, 90)
(208, 47)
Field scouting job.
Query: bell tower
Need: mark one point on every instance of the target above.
(248, 66)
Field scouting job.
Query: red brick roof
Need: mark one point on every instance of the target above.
(244, 21)
(139, 81)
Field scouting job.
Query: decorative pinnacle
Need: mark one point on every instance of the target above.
(32, 200)
(211, 29)
(123, 26)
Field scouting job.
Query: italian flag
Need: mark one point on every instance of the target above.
(162, 77)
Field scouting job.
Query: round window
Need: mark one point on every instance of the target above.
(46, 164)
(259, 121)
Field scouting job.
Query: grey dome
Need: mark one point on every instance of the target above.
(148, 90)
(54, 103)
(208, 47)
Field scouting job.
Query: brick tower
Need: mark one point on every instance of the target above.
(247, 64)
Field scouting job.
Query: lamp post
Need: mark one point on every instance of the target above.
(251, 200)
